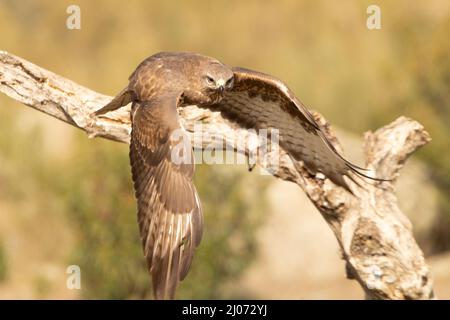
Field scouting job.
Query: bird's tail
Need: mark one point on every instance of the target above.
(121, 100)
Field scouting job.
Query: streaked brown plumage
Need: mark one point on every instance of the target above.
(169, 210)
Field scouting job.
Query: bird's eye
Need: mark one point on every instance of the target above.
(209, 80)
(229, 83)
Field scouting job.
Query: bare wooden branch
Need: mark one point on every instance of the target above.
(374, 235)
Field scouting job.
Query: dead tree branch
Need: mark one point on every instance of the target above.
(374, 235)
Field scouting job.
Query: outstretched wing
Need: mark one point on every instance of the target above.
(169, 210)
(261, 101)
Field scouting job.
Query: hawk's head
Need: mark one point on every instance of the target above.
(208, 81)
(217, 77)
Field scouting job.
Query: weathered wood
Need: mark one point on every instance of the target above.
(374, 235)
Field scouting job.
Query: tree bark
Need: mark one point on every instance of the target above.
(374, 235)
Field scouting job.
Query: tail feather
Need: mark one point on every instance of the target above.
(121, 100)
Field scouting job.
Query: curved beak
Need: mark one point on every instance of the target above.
(220, 85)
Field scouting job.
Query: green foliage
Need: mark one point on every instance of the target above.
(425, 68)
(102, 209)
(3, 262)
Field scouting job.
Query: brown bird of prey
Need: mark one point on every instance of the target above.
(169, 210)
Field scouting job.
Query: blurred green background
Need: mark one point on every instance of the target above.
(73, 196)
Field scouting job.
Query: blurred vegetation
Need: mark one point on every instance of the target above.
(428, 99)
(359, 79)
(3, 262)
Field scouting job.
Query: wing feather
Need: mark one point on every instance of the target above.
(168, 206)
(261, 101)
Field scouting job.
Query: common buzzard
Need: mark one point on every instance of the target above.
(169, 210)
